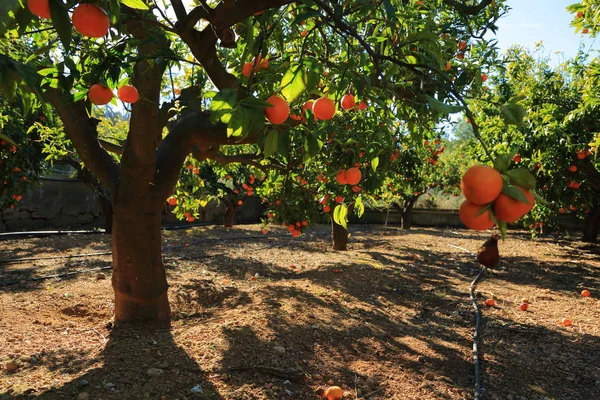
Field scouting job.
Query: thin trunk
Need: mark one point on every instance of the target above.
(229, 217)
(340, 236)
(406, 212)
(139, 278)
(592, 224)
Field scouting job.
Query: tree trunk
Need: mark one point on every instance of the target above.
(139, 278)
(592, 224)
(107, 210)
(340, 236)
(229, 217)
(406, 212)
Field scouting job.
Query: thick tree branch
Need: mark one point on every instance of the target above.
(179, 9)
(192, 129)
(112, 147)
(81, 130)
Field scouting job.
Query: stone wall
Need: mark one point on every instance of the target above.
(68, 204)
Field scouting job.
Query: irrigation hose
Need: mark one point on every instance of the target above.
(476, 334)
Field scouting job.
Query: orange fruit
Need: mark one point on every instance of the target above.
(362, 105)
(295, 233)
(340, 177)
(128, 94)
(448, 66)
(279, 112)
(353, 176)
(462, 45)
(468, 215)
(572, 168)
(339, 199)
(326, 209)
(481, 184)
(304, 33)
(304, 223)
(172, 201)
(579, 14)
(517, 158)
(100, 94)
(484, 77)
(348, 102)
(585, 31)
(524, 306)
(566, 322)
(324, 108)
(90, 20)
(264, 231)
(585, 293)
(460, 56)
(334, 393)
(490, 302)
(509, 210)
(41, 8)
(190, 219)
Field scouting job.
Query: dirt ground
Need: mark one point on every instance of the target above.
(273, 317)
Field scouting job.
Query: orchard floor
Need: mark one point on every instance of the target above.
(273, 317)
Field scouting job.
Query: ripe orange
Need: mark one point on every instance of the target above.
(190, 219)
(462, 45)
(353, 176)
(334, 393)
(585, 31)
(280, 111)
(448, 66)
(460, 56)
(481, 184)
(100, 94)
(524, 306)
(484, 77)
(91, 20)
(585, 293)
(562, 210)
(326, 209)
(172, 201)
(324, 108)
(362, 105)
(295, 233)
(572, 168)
(348, 102)
(128, 94)
(340, 177)
(41, 8)
(339, 199)
(566, 322)
(468, 215)
(240, 202)
(579, 14)
(517, 158)
(509, 210)
(304, 223)
(490, 302)
(304, 33)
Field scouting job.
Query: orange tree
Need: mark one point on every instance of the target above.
(416, 170)
(401, 56)
(557, 138)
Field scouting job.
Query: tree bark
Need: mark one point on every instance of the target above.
(139, 278)
(340, 236)
(406, 212)
(229, 217)
(591, 226)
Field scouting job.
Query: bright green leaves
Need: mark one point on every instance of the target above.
(359, 207)
(340, 215)
(293, 82)
(242, 118)
(513, 112)
(271, 143)
(137, 4)
(375, 163)
(514, 193)
(503, 161)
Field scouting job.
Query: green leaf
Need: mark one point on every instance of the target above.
(8, 139)
(538, 198)
(237, 122)
(513, 113)
(340, 215)
(375, 163)
(521, 177)
(439, 106)
(411, 59)
(502, 162)
(359, 206)
(62, 23)
(305, 15)
(293, 82)
(502, 227)
(515, 193)
(137, 4)
(271, 144)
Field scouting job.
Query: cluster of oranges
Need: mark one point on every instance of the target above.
(482, 187)
(91, 21)
(351, 176)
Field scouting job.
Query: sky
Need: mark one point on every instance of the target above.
(531, 21)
